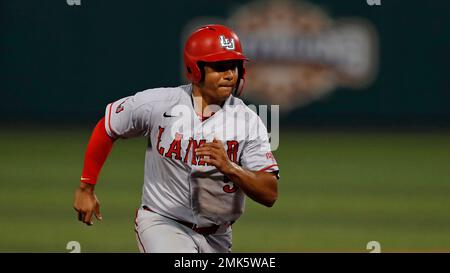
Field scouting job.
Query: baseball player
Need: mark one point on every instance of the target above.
(206, 151)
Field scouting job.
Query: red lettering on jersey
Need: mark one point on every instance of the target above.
(191, 146)
(232, 150)
(186, 154)
(160, 149)
(175, 147)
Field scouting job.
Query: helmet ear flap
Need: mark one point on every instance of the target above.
(193, 72)
(241, 80)
(196, 74)
(242, 71)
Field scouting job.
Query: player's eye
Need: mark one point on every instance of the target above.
(224, 66)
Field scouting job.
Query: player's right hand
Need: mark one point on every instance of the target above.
(86, 204)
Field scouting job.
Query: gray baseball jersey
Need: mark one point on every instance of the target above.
(177, 183)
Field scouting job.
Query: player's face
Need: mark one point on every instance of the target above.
(220, 80)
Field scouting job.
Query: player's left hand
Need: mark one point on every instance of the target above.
(214, 154)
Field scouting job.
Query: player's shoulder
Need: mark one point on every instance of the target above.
(161, 96)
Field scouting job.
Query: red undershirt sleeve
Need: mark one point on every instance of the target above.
(98, 148)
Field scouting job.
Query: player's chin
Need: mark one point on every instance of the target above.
(224, 91)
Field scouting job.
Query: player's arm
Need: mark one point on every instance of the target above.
(260, 186)
(86, 203)
(123, 118)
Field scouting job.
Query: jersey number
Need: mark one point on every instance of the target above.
(228, 188)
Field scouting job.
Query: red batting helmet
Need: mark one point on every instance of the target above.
(211, 43)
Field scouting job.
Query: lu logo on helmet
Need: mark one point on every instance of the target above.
(225, 43)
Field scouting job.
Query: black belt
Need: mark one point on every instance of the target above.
(202, 230)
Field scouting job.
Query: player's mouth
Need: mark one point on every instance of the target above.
(227, 86)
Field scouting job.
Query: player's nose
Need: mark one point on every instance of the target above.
(229, 74)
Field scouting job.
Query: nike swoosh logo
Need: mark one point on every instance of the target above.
(168, 116)
(84, 179)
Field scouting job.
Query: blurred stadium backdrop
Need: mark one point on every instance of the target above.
(364, 95)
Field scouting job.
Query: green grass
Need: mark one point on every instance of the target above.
(337, 192)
